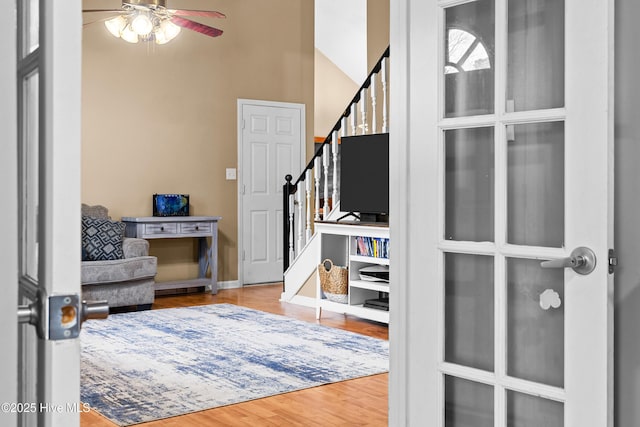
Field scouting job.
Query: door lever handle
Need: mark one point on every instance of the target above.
(94, 310)
(582, 260)
(58, 317)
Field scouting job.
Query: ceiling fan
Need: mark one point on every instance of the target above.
(150, 20)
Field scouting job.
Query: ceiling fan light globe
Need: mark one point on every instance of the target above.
(142, 25)
(159, 36)
(129, 35)
(116, 25)
(170, 29)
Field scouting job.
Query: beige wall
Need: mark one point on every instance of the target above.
(162, 119)
(333, 88)
(377, 30)
(333, 92)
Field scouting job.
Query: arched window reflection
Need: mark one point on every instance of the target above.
(465, 52)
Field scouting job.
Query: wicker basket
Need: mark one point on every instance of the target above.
(333, 281)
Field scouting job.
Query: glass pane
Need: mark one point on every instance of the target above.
(469, 186)
(30, 25)
(469, 319)
(467, 403)
(469, 48)
(535, 76)
(535, 183)
(30, 189)
(535, 322)
(524, 410)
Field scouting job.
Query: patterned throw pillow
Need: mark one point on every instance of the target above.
(102, 238)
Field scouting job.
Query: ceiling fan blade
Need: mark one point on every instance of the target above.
(101, 10)
(188, 12)
(196, 26)
(94, 22)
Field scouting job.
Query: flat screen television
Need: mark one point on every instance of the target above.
(364, 176)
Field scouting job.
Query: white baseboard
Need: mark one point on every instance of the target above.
(300, 300)
(229, 284)
(234, 284)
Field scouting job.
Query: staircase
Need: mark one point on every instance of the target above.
(315, 194)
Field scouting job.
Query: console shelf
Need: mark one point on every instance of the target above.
(339, 242)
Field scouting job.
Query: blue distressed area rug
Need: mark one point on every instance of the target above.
(143, 366)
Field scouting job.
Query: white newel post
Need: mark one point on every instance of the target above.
(301, 223)
(325, 164)
(316, 178)
(307, 187)
(334, 153)
(363, 111)
(374, 122)
(383, 68)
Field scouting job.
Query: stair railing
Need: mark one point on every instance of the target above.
(314, 179)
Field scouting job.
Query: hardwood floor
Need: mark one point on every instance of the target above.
(359, 402)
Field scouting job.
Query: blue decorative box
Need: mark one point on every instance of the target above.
(170, 205)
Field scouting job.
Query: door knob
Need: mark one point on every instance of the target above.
(582, 260)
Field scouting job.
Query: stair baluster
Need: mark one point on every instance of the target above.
(325, 165)
(343, 126)
(374, 112)
(300, 205)
(354, 118)
(307, 185)
(363, 111)
(334, 152)
(316, 177)
(383, 75)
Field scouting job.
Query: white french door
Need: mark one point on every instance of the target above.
(41, 170)
(501, 158)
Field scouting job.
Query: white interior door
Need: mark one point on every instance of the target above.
(43, 166)
(271, 146)
(507, 160)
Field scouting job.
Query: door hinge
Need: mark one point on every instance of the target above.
(243, 254)
(613, 261)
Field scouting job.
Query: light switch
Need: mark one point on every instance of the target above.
(231, 174)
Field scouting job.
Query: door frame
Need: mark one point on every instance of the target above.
(9, 217)
(303, 155)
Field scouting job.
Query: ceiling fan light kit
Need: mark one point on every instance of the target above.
(150, 20)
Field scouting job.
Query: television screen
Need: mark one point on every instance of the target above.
(364, 174)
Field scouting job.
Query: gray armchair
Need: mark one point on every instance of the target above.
(122, 282)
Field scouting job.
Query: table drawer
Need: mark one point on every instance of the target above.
(161, 228)
(195, 227)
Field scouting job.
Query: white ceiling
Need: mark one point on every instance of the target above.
(341, 35)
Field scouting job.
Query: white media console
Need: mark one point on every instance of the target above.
(339, 242)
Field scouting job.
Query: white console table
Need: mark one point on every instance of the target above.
(200, 227)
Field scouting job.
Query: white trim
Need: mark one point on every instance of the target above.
(400, 17)
(300, 300)
(229, 284)
(303, 156)
(8, 217)
(58, 378)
